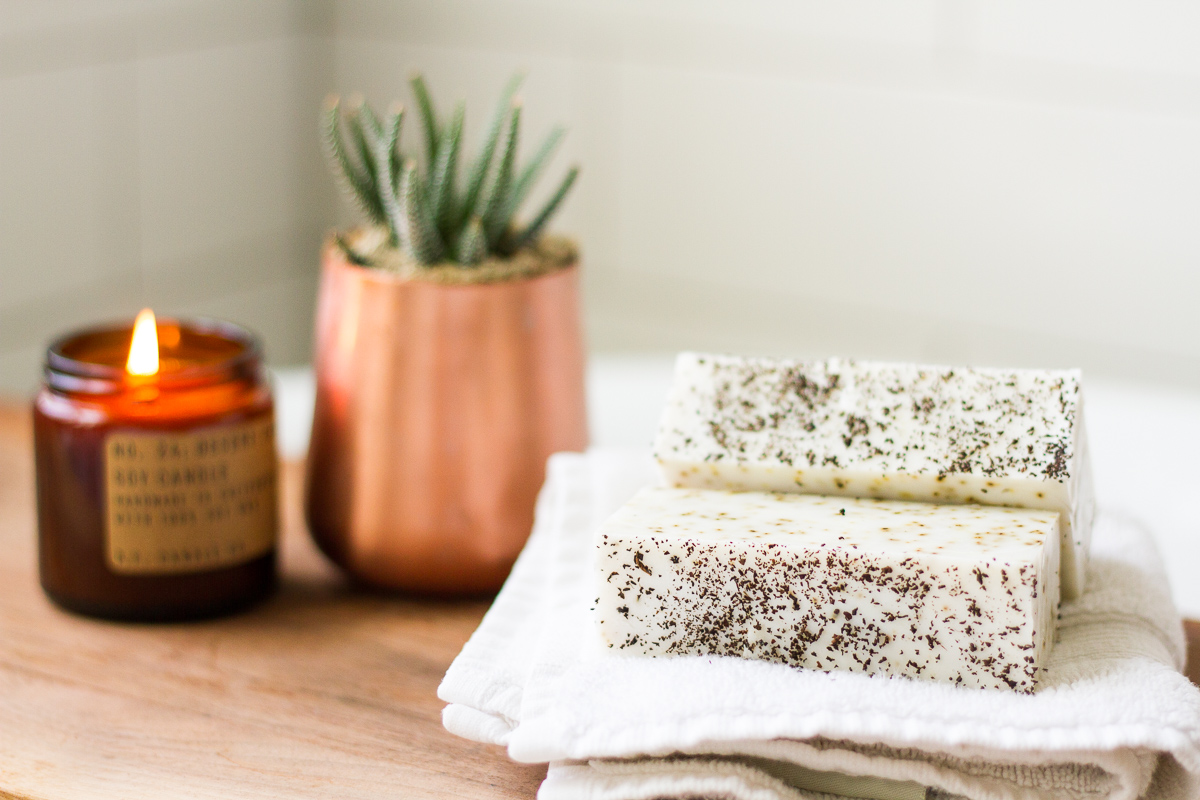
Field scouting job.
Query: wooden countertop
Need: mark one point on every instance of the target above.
(323, 691)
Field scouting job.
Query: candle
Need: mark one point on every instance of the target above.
(156, 471)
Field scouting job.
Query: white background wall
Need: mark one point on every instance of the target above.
(1007, 183)
(158, 152)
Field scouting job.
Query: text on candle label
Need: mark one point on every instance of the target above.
(190, 502)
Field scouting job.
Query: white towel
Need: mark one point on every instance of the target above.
(1114, 718)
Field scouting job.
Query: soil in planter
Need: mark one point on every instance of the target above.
(368, 246)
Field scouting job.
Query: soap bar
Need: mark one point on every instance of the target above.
(964, 594)
(896, 431)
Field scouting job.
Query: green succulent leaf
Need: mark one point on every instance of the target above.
(371, 124)
(479, 170)
(348, 252)
(384, 148)
(427, 214)
(428, 116)
(395, 121)
(533, 170)
(354, 178)
(472, 244)
(419, 235)
(496, 197)
(442, 195)
(364, 142)
(531, 231)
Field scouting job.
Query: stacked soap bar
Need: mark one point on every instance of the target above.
(965, 594)
(898, 431)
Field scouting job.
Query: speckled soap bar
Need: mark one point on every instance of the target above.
(965, 594)
(898, 431)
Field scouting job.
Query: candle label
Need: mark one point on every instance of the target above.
(190, 502)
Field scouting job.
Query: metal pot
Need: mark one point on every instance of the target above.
(437, 407)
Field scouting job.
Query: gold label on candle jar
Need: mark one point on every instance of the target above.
(190, 502)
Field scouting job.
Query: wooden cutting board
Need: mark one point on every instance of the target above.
(324, 691)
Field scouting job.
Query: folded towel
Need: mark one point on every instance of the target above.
(1113, 718)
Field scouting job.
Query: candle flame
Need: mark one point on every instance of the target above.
(143, 350)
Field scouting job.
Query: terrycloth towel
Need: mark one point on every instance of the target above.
(1113, 719)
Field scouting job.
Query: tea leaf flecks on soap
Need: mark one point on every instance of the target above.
(923, 432)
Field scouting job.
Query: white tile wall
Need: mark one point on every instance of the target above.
(217, 146)
(946, 180)
(950, 181)
(50, 224)
(154, 153)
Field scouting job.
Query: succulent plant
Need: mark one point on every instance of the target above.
(427, 214)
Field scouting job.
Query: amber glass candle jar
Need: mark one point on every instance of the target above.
(156, 492)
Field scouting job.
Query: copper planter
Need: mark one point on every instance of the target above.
(437, 407)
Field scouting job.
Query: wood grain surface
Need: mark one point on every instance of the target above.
(324, 691)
